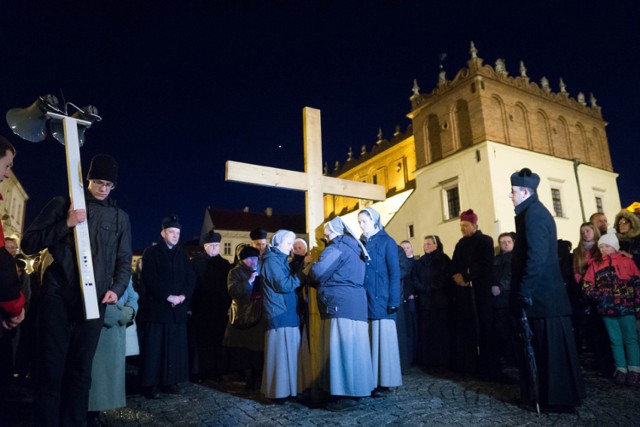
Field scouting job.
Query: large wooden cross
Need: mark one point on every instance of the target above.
(316, 186)
(311, 180)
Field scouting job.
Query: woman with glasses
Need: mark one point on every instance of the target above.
(627, 226)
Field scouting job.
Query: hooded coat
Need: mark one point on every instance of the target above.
(340, 272)
(382, 276)
(630, 241)
(280, 300)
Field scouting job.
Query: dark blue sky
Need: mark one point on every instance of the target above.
(184, 87)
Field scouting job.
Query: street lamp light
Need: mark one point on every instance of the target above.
(30, 124)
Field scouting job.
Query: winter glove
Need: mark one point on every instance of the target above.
(525, 302)
(391, 310)
(126, 315)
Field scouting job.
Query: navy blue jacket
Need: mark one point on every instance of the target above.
(340, 272)
(382, 275)
(279, 296)
(535, 270)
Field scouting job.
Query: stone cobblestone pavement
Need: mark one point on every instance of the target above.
(427, 398)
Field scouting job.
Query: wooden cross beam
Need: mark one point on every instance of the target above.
(311, 180)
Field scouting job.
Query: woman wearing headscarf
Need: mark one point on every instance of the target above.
(342, 302)
(382, 283)
(282, 338)
(431, 279)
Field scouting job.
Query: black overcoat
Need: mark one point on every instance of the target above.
(535, 269)
(166, 272)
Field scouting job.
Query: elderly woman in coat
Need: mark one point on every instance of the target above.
(244, 336)
(108, 369)
(282, 338)
(627, 226)
(342, 302)
(382, 283)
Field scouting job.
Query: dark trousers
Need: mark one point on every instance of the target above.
(489, 360)
(406, 324)
(67, 344)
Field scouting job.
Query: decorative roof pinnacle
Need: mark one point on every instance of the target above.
(473, 51)
(523, 70)
(563, 87)
(581, 99)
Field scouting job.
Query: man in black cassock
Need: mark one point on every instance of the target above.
(169, 281)
(537, 286)
(472, 268)
(209, 306)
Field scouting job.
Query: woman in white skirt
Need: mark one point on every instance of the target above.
(282, 338)
(382, 282)
(344, 333)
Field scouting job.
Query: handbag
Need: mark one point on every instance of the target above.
(246, 314)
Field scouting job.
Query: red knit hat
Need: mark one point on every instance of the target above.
(469, 216)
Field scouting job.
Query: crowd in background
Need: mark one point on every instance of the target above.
(382, 308)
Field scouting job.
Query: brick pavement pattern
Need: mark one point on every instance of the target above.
(426, 399)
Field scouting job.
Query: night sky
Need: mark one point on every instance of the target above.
(184, 86)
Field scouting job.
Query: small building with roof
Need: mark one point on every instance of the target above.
(235, 226)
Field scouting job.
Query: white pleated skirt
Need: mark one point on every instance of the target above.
(385, 355)
(345, 358)
(280, 373)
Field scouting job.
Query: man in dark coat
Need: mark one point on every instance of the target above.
(472, 267)
(501, 290)
(209, 306)
(67, 341)
(169, 281)
(538, 288)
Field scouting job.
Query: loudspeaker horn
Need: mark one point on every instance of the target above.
(30, 123)
(88, 113)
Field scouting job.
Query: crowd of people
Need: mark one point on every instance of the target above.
(380, 308)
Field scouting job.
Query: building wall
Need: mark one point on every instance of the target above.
(480, 104)
(484, 186)
(392, 167)
(13, 207)
(470, 134)
(426, 210)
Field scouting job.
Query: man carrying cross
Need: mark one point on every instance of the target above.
(68, 341)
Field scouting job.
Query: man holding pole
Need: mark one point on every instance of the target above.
(538, 288)
(68, 341)
(472, 267)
